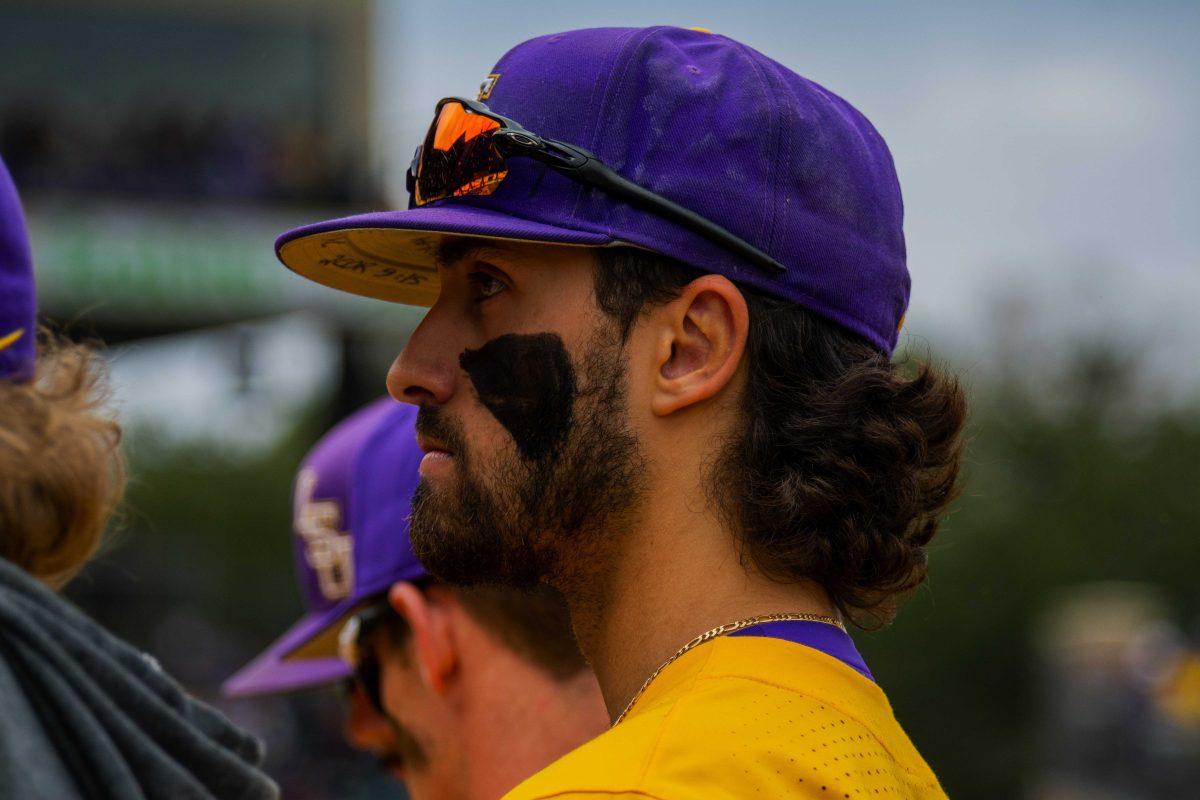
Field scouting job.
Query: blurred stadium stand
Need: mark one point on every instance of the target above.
(161, 146)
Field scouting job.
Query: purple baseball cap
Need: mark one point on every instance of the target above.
(18, 303)
(698, 118)
(351, 502)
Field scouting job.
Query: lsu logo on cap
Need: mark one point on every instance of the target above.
(11, 338)
(489, 83)
(329, 551)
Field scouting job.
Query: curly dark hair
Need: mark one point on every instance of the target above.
(844, 462)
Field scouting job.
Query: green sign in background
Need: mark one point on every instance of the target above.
(178, 265)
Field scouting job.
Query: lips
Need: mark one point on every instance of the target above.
(438, 460)
(428, 445)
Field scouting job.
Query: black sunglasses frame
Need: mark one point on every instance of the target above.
(512, 141)
(353, 648)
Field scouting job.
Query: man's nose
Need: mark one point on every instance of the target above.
(426, 369)
(366, 728)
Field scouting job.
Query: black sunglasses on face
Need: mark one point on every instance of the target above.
(468, 146)
(355, 648)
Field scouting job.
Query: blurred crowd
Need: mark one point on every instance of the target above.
(166, 150)
(1121, 697)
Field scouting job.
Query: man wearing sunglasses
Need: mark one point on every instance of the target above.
(667, 275)
(461, 693)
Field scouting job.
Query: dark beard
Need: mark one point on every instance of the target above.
(538, 520)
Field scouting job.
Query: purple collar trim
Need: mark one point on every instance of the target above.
(818, 635)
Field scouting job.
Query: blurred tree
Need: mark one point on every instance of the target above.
(1078, 478)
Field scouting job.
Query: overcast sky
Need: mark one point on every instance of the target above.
(1046, 148)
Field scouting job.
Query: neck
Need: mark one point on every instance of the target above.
(678, 575)
(565, 713)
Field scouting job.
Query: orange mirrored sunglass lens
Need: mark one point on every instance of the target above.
(456, 123)
(458, 157)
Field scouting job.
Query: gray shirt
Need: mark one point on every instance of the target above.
(29, 763)
(85, 715)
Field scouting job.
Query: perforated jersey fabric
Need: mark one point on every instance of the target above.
(752, 717)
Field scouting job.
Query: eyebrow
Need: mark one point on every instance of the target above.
(454, 249)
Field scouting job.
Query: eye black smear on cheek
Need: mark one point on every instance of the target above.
(527, 382)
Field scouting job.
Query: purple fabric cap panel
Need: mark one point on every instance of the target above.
(351, 503)
(830, 640)
(18, 303)
(706, 122)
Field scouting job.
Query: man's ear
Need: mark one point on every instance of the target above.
(700, 344)
(431, 643)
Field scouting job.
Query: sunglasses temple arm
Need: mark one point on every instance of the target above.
(595, 173)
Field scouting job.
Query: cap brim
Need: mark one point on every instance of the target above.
(304, 656)
(390, 255)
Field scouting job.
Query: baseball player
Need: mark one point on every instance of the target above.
(667, 275)
(461, 693)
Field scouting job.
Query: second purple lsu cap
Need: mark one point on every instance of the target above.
(701, 119)
(351, 503)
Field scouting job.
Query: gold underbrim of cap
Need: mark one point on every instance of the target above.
(393, 264)
(384, 263)
(325, 643)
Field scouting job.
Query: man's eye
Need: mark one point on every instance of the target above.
(485, 285)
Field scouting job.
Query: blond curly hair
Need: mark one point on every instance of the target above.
(62, 472)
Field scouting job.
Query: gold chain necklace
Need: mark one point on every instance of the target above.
(721, 630)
